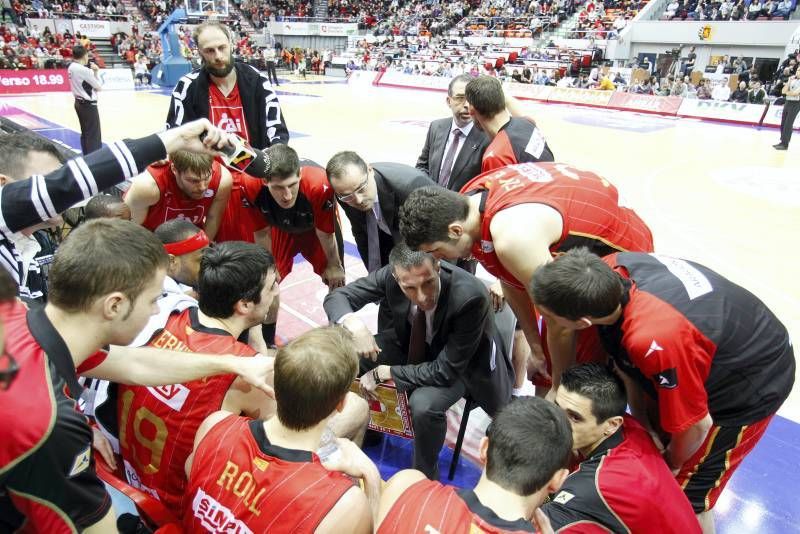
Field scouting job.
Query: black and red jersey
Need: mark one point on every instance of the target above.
(47, 475)
(589, 206)
(240, 482)
(518, 141)
(698, 343)
(623, 486)
(241, 218)
(314, 208)
(429, 506)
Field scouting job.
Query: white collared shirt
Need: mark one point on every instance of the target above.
(464, 133)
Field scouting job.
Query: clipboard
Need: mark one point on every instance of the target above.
(389, 412)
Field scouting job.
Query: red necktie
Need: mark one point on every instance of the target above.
(416, 341)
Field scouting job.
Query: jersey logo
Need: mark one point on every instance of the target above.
(667, 379)
(654, 346)
(563, 497)
(173, 395)
(260, 463)
(324, 187)
(81, 462)
(536, 144)
(208, 193)
(216, 517)
(693, 280)
(487, 246)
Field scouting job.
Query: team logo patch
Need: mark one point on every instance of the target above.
(173, 395)
(487, 246)
(563, 497)
(81, 462)
(667, 379)
(260, 463)
(328, 205)
(654, 347)
(208, 193)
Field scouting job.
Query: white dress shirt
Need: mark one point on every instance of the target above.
(461, 141)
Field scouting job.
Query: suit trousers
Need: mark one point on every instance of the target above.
(89, 119)
(790, 110)
(428, 404)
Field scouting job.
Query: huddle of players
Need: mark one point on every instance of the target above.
(578, 308)
(706, 364)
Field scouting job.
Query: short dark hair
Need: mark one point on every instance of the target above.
(577, 284)
(427, 213)
(16, 147)
(600, 385)
(175, 230)
(79, 51)
(466, 78)
(8, 288)
(100, 205)
(485, 94)
(530, 439)
(103, 256)
(405, 258)
(284, 162)
(313, 373)
(341, 160)
(230, 272)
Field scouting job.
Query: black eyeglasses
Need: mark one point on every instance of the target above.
(8, 370)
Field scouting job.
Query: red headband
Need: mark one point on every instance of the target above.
(190, 244)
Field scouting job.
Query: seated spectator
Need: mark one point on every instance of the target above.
(768, 8)
(524, 453)
(275, 460)
(738, 11)
(605, 84)
(619, 463)
(666, 88)
(756, 94)
(703, 90)
(679, 88)
(542, 78)
(754, 10)
(141, 72)
(740, 94)
(783, 9)
(583, 82)
(721, 91)
(516, 76)
(527, 76)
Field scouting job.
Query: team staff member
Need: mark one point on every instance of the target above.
(454, 147)
(438, 343)
(233, 96)
(298, 204)
(25, 203)
(25, 154)
(370, 196)
(105, 281)
(558, 206)
(84, 83)
(622, 483)
(714, 358)
(513, 139)
(189, 186)
(525, 454)
(250, 475)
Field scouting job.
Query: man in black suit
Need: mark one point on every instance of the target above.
(443, 341)
(454, 147)
(370, 196)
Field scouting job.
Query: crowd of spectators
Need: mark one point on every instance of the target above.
(26, 48)
(68, 9)
(729, 10)
(259, 12)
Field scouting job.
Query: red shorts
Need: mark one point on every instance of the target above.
(286, 246)
(705, 474)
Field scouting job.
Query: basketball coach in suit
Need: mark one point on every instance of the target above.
(443, 341)
(370, 196)
(454, 147)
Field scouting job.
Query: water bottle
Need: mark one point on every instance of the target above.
(328, 448)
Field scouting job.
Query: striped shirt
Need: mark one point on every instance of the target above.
(38, 198)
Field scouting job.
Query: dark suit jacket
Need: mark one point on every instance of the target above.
(395, 182)
(468, 162)
(465, 345)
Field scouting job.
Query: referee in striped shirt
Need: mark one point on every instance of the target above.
(28, 202)
(84, 83)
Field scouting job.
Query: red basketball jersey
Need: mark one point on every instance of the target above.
(588, 205)
(242, 483)
(174, 204)
(429, 506)
(242, 218)
(157, 424)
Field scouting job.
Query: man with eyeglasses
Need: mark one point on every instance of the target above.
(297, 202)
(188, 186)
(370, 196)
